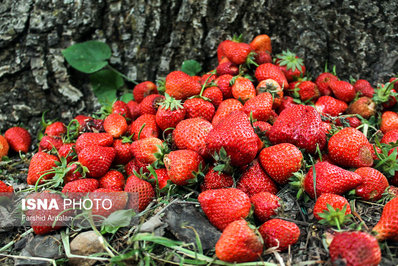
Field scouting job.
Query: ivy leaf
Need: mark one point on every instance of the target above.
(191, 67)
(116, 220)
(104, 84)
(127, 97)
(88, 57)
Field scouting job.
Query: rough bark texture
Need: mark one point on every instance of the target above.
(150, 38)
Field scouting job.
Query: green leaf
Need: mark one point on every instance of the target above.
(191, 67)
(127, 97)
(104, 84)
(88, 57)
(116, 220)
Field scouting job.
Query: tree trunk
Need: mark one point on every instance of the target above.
(150, 38)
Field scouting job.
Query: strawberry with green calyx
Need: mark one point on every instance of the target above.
(137, 166)
(56, 129)
(214, 94)
(373, 186)
(364, 88)
(18, 139)
(160, 176)
(237, 52)
(304, 91)
(150, 104)
(40, 168)
(279, 234)
(226, 107)
(170, 113)
(144, 149)
(386, 161)
(123, 150)
(144, 89)
(387, 227)
(324, 79)
(121, 108)
(385, 94)
(291, 65)
(144, 126)
(216, 180)
(332, 209)
(47, 143)
(265, 205)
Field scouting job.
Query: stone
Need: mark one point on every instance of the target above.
(85, 243)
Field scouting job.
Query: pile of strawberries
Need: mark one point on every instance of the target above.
(237, 135)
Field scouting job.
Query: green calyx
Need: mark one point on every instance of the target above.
(290, 60)
(335, 217)
(383, 94)
(170, 103)
(385, 162)
(237, 38)
(223, 162)
(159, 155)
(296, 183)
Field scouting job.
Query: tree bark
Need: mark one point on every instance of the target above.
(151, 38)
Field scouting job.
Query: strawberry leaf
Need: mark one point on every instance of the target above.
(116, 220)
(191, 67)
(127, 97)
(104, 84)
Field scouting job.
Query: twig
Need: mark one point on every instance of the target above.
(52, 261)
(14, 241)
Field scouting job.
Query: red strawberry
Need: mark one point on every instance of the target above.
(363, 86)
(40, 164)
(79, 188)
(336, 213)
(220, 52)
(259, 106)
(355, 248)
(281, 161)
(273, 87)
(207, 78)
(115, 125)
(47, 143)
(279, 233)
(73, 173)
(5, 190)
(226, 107)
(18, 139)
(170, 113)
(305, 90)
(364, 106)
(4, 147)
(225, 205)
(235, 134)
(123, 152)
(56, 129)
(389, 121)
(214, 94)
(216, 180)
(150, 104)
(163, 177)
(150, 129)
(239, 243)
(227, 68)
(299, 125)
(134, 109)
(97, 159)
(223, 82)
(93, 139)
(265, 205)
(343, 90)
(104, 197)
(181, 164)
(237, 52)
(349, 147)
(68, 151)
(181, 86)
(373, 186)
(144, 89)
(262, 57)
(262, 43)
(135, 165)
(121, 108)
(330, 179)
(243, 89)
(199, 108)
(291, 65)
(254, 180)
(271, 71)
(113, 180)
(191, 134)
(140, 191)
(331, 106)
(353, 121)
(286, 102)
(323, 82)
(387, 227)
(390, 136)
(144, 149)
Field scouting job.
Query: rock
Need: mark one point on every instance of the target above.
(85, 243)
(180, 215)
(41, 246)
(7, 221)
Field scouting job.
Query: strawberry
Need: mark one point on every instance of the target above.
(5, 190)
(137, 166)
(104, 197)
(235, 134)
(331, 106)
(216, 180)
(207, 78)
(82, 120)
(18, 139)
(373, 186)
(181, 86)
(121, 108)
(134, 110)
(387, 227)
(226, 107)
(56, 129)
(279, 233)
(254, 180)
(225, 205)
(271, 71)
(89, 124)
(237, 52)
(305, 90)
(330, 179)
(332, 209)
(191, 134)
(144, 149)
(286, 102)
(144, 89)
(262, 57)
(4, 147)
(181, 164)
(123, 152)
(390, 136)
(224, 84)
(199, 108)
(281, 161)
(162, 176)
(355, 248)
(78, 188)
(323, 82)
(140, 191)
(352, 121)
(349, 147)
(265, 205)
(389, 121)
(364, 106)
(259, 106)
(291, 65)
(144, 127)
(97, 159)
(227, 68)
(47, 143)
(343, 90)
(261, 43)
(40, 164)
(273, 87)
(301, 126)
(214, 94)
(385, 94)
(170, 113)
(73, 173)
(150, 104)
(239, 243)
(243, 89)
(115, 125)
(93, 139)
(220, 52)
(363, 86)
(113, 180)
